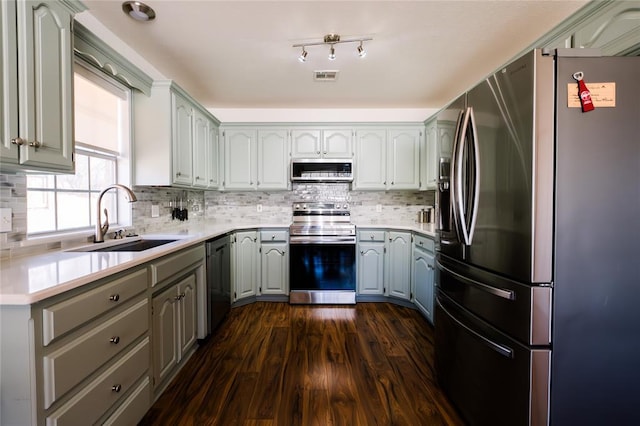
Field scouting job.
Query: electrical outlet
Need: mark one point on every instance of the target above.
(259, 208)
(5, 220)
(155, 210)
(378, 208)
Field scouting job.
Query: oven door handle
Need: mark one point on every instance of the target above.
(303, 239)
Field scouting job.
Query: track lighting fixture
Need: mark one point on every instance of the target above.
(332, 40)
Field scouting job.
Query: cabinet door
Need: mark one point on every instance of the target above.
(337, 143)
(213, 156)
(275, 268)
(201, 148)
(165, 334)
(398, 265)
(371, 159)
(188, 319)
(371, 268)
(305, 143)
(431, 158)
(403, 159)
(45, 69)
(8, 83)
(182, 136)
(273, 159)
(246, 264)
(239, 164)
(423, 273)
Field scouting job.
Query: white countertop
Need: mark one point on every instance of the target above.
(30, 279)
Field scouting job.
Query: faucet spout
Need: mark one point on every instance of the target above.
(101, 229)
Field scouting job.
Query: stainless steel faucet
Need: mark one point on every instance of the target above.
(102, 229)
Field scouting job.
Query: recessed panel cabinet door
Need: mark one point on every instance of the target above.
(45, 65)
(398, 266)
(188, 318)
(201, 150)
(182, 112)
(337, 143)
(8, 82)
(214, 156)
(245, 264)
(273, 159)
(275, 268)
(371, 268)
(423, 274)
(403, 160)
(240, 159)
(165, 334)
(305, 143)
(371, 159)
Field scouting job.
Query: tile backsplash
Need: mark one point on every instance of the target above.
(218, 206)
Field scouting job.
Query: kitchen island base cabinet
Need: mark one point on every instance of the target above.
(174, 327)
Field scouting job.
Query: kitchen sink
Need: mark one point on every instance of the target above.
(137, 245)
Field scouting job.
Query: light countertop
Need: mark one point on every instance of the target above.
(31, 279)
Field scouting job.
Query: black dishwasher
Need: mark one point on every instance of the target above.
(218, 281)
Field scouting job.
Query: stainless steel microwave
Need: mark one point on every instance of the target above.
(321, 170)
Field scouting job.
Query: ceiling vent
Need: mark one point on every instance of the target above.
(325, 75)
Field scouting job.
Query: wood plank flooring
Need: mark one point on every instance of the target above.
(280, 364)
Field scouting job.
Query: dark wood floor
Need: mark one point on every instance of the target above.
(278, 364)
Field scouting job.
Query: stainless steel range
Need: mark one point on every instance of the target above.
(322, 254)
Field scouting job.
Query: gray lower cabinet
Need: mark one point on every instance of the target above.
(274, 262)
(423, 275)
(78, 357)
(371, 259)
(398, 265)
(174, 326)
(244, 265)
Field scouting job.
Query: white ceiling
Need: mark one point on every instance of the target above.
(239, 54)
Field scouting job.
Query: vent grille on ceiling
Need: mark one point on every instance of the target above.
(325, 75)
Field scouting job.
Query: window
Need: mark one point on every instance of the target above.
(64, 203)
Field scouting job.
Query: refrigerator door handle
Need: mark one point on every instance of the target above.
(505, 294)
(476, 180)
(501, 349)
(458, 203)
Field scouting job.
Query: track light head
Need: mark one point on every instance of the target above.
(303, 55)
(361, 52)
(332, 53)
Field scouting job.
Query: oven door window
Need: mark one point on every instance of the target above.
(323, 266)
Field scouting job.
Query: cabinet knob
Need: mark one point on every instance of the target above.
(325, 153)
(384, 183)
(115, 340)
(283, 252)
(197, 177)
(429, 266)
(114, 297)
(18, 141)
(372, 236)
(178, 174)
(258, 183)
(420, 243)
(35, 144)
(318, 152)
(392, 183)
(273, 237)
(362, 252)
(116, 388)
(178, 297)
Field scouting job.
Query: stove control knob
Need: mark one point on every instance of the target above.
(304, 206)
(346, 206)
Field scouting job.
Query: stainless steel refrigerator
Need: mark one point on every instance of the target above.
(537, 316)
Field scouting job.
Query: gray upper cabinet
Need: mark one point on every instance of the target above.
(403, 158)
(322, 143)
(256, 159)
(370, 165)
(173, 139)
(431, 158)
(37, 85)
(388, 159)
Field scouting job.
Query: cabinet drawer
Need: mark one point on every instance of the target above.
(424, 242)
(66, 367)
(65, 316)
(165, 268)
(133, 408)
(274, 235)
(96, 398)
(370, 235)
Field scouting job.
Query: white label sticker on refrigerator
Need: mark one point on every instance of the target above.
(603, 95)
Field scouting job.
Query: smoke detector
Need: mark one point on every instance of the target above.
(325, 75)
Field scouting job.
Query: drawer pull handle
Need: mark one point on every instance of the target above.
(114, 297)
(115, 340)
(116, 388)
(372, 236)
(273, 237)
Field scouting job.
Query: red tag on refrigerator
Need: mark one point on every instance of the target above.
(583, 93)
